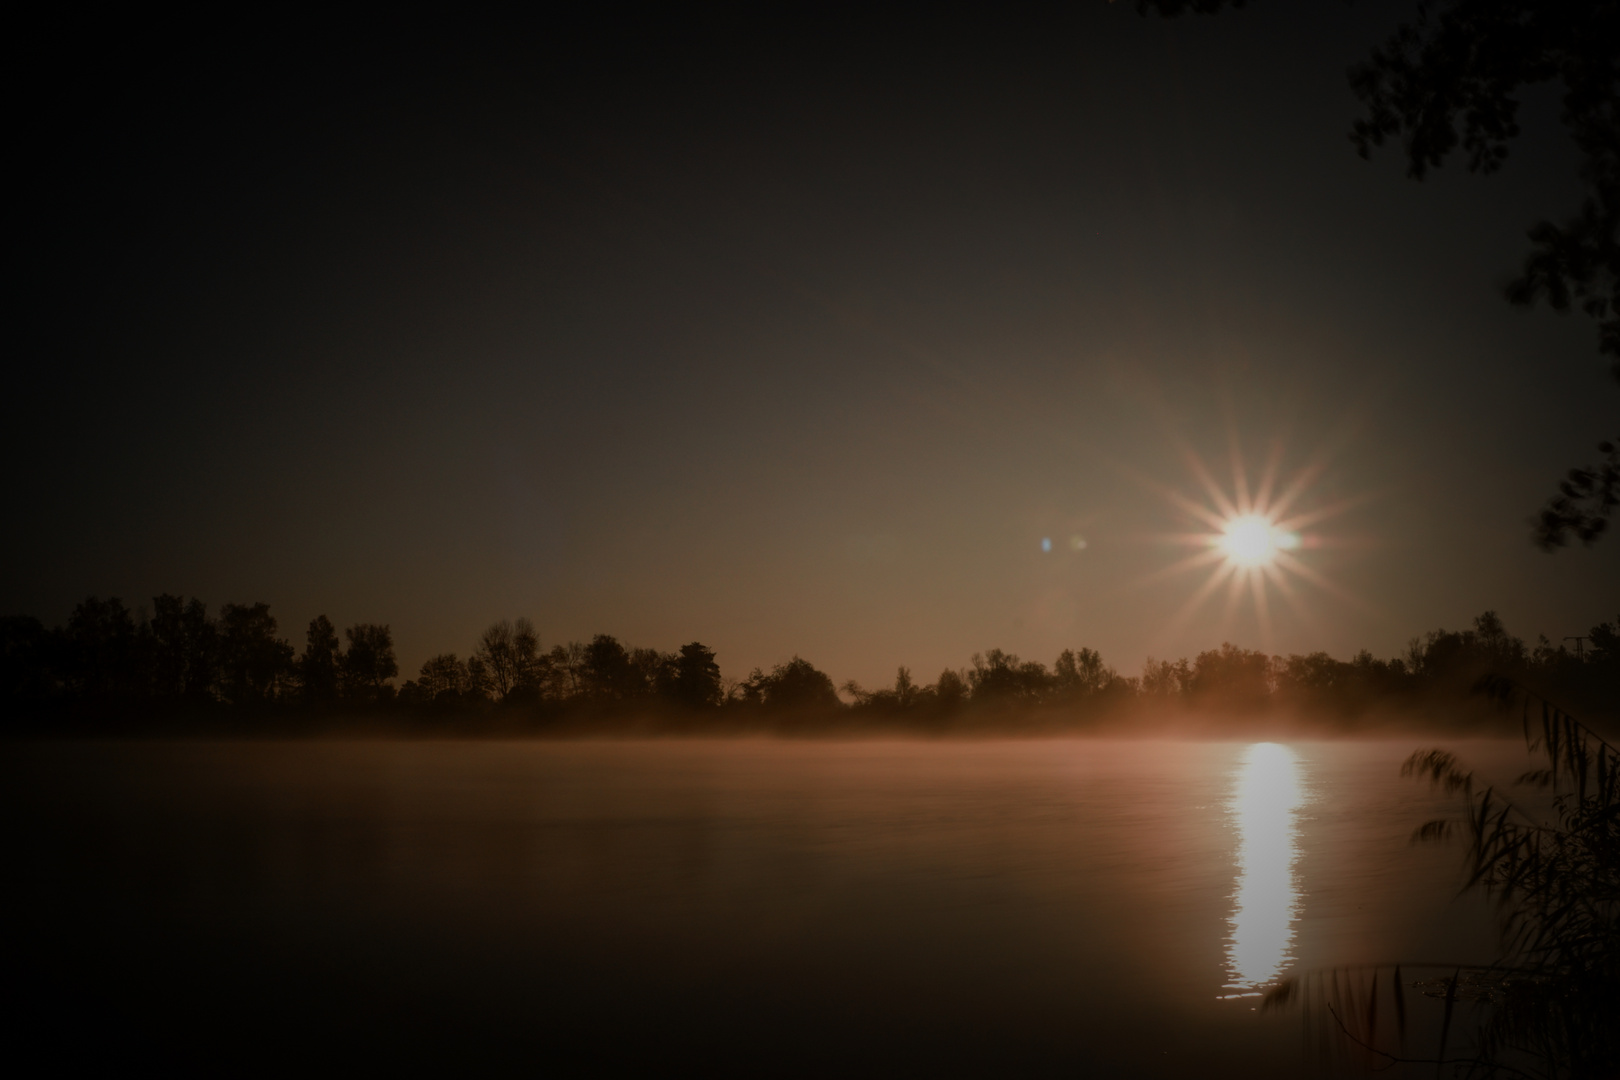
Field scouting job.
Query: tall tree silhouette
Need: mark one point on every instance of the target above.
(442, 680)
(951, 689)
(185, 649)
(254, 663)
(565, 667)
(368, 663)
(318, 668)
(511, 659)
(496, 650)
(530, 666)
(99, 655)
(608, 672)
(1078, 674)
(697, 677)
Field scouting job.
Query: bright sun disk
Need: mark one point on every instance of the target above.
(1252, 540)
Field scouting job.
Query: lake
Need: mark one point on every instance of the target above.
(968, 908)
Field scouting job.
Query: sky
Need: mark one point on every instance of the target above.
(793, 334)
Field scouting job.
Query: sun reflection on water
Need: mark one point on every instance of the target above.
(1266, 796)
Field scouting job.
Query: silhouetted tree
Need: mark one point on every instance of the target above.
(904, 696)
(168, 653)
(1453, 76)
(905, 691)
(951, 690)
(25, 661)
(796, 685)
(750, 691)
(320, 666)
(498, 651)
(1381, 677)
(477, 686)
(510, 655)
(533, 667)
(1604, 648)
(442, 680)
(1590, 674)
(99, 651)
(565, 668)
(368, 663)
(179, 654)
(697, 677)
(254, 663)
(1585, 499)
(185, 649)
(607, 672)
(1081, 674)
(1455, 660)
(1001, 677)
(1320, 681)
(1231, 677)
(653, 673)
(1162, 678)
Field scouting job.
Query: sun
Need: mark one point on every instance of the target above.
(1252, 540)
(1256, 539)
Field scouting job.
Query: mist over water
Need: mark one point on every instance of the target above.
(743, 906)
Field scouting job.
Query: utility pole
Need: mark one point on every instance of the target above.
(1580, 653)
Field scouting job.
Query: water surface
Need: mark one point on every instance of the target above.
(1063, 907)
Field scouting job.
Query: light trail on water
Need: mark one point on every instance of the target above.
(1267, 793)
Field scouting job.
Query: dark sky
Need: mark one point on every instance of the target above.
(790, 336)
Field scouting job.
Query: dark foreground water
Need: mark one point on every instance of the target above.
(1020, 908)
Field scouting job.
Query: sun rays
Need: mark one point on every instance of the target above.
(1253, 539)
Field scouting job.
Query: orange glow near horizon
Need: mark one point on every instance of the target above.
(1267, 793)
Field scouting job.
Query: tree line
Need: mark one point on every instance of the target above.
(109, 665)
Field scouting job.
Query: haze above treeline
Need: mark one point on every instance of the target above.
(109, 670)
